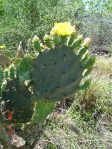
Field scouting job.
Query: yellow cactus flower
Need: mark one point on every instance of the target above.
(87, 42)
(63, 29)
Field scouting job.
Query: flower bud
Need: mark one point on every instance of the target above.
(87, 42)
(36, 43)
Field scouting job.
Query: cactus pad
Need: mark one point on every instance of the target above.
(56, 73)
(17, 99)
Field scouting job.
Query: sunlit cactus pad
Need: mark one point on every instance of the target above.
(56, 73)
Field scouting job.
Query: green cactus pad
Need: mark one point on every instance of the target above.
(56, 73)
(42, 110)
(17, 99)
(23, 67)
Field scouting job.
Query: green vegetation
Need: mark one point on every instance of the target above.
(56, 89)
(21, 20)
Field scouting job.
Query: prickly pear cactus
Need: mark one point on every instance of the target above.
(56, 73)
(59, 69)
(58, 66)
(17, 99)
(14, 93)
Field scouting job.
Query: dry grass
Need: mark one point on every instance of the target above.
(103, 65)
